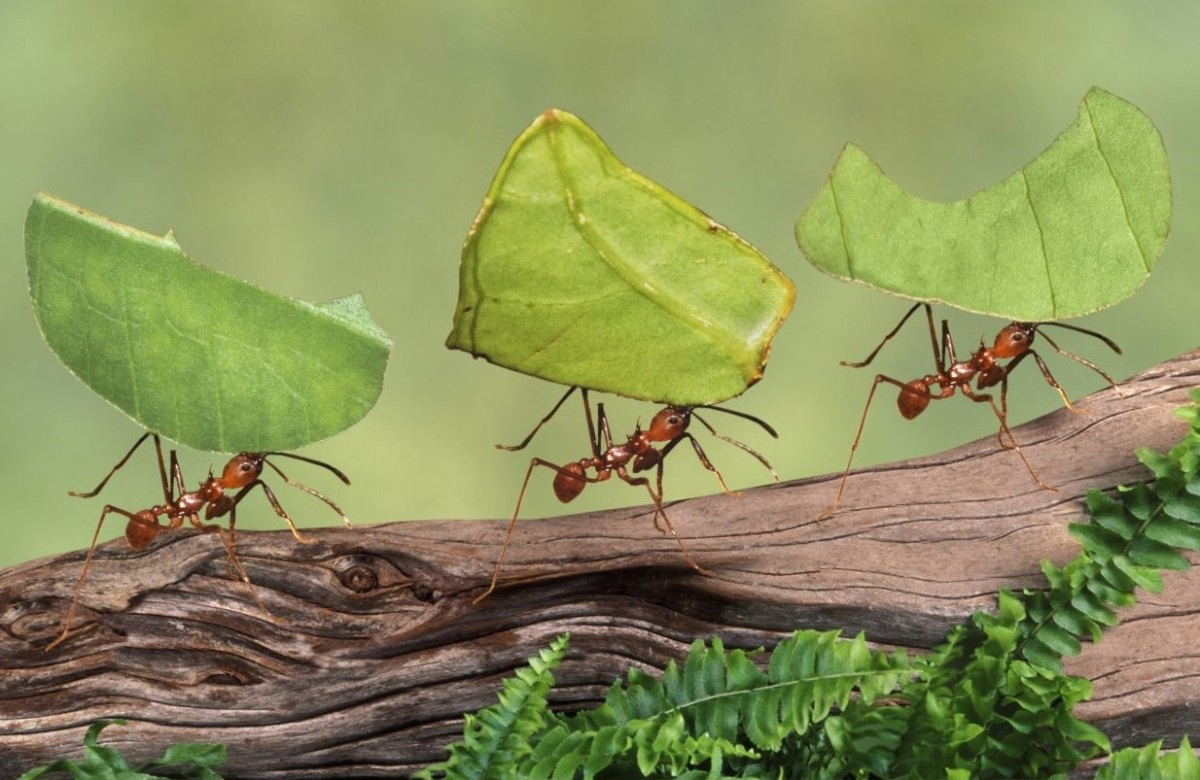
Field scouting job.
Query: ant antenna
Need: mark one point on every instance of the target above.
(315, 493)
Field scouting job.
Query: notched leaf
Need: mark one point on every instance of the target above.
(211, 361)
(579, 270)
(1076, 230)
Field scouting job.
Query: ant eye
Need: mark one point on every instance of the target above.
(674, 419)
(1018, 336)
(247, 467)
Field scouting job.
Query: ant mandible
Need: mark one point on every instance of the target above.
(1014, 343)
(669, 426)
(243, 471)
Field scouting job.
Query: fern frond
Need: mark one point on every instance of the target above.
(1149, 763)
(497, 738)
(720, 712)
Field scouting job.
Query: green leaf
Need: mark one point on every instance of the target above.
(1156, 555)
(1058, 639)
(1183, 506)
(1175, 533)
(582, 271)
(101, 762)
(203, 358)
(1076, 230)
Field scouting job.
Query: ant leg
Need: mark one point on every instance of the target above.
(87, 562)
(576, 476)
(122, 462)
(177, 482)
(894, 331)
(740, 445)
(1109, 342)
(660, 510)
(306, 489)
(512, 524)
(879, 378)
(232, 562)
(947, 357)
(604, 441)
(1004, 430)
(274, 505)
(1077, 359)
(525, 442)
(701, 456)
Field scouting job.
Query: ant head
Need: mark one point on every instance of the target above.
(670, 423)
(1014, 339)
(242, 469)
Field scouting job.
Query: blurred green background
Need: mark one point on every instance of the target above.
(322, 148)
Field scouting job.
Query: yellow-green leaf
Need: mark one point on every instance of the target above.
(1076, 230)
(208, 360)
(582, 271)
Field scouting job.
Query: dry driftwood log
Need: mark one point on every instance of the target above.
(375, 647)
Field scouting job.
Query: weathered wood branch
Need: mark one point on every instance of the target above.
(375, 649)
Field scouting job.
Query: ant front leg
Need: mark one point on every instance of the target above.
(740, 445)
(219, 508)
(700, 455)
(1050, 380)
(315, 493)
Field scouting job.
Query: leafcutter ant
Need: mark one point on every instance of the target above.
(243, 472)
(1014, 343)
(668, 427)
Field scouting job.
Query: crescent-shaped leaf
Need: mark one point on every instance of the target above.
(581, 271)
(1076, 230)
(210, 361)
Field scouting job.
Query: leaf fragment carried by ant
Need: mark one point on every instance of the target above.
(582, 271)
(1076, 230)
(210, 361)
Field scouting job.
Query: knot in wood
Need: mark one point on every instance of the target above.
(359, 577)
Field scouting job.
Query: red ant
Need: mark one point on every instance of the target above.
(669, 425)
(242, 471)
(1014, 342)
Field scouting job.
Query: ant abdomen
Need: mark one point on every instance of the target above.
(913, 399)
(141, 529)
(569, 482)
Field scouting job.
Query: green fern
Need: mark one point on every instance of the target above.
(1132, 535)
(184, 759)
(1149, 763)
(498, 737)
(720, 712)
(990, 701)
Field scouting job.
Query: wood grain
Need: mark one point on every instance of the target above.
(373, 647)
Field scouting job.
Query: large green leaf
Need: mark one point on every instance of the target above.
(210, 361)
(581, 271)
(1076, 230)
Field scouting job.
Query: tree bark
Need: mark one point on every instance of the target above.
(373, 648)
